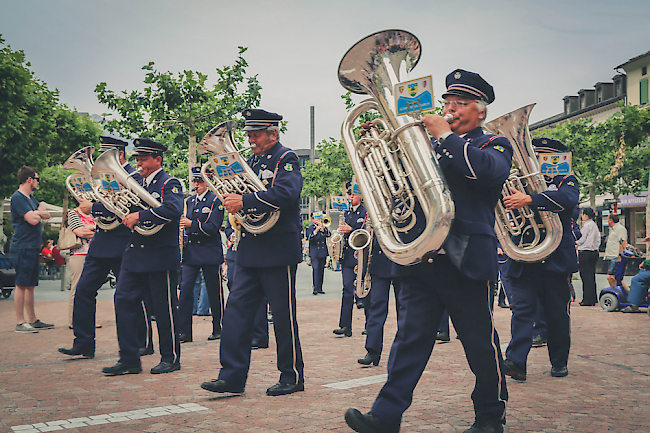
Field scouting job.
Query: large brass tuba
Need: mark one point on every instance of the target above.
(119, 192)
(82, 161)
(538, 232)
(219, 142)
(394, 166)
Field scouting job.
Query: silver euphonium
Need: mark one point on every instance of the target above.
(124, 195)
(82, 161)
(539, 232)
(219, 141)
(394, 166)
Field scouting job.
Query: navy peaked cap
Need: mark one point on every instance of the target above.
(548, 145)
(348, 187)
(257, 119)
(468, 85)
(111, 143)
(145, 146)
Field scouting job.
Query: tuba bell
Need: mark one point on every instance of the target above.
(119, 192)
(239, 179)
(539, 233)
(393, 162)
(80, 184)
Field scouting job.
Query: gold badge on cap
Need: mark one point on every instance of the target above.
(457, 75)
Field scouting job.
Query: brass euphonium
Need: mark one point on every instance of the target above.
(219, 142)
(394, 166)
(119, 192)
(539, 233)
(82, 161)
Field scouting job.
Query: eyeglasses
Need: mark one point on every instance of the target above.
(458, 103)
(36, 178)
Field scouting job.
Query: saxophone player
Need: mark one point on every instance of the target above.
(317, 234)
(475, 166)
(353, 220)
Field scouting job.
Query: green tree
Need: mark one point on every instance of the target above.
(35, 129)
(176, 108)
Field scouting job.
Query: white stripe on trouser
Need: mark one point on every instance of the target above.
(496, 355)
(171, 320)
(147, 325)
(293, 331)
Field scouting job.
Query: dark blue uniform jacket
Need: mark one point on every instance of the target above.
(279, 170)
(356, 220)
(203, 236)
(380, 265)
(317, 244)
(158, 252)
(475, 167)
(561, 197)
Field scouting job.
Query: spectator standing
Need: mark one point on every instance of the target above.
(46, 252)
(588, 245)
(82, 225)
(26, 216)
(616, 243)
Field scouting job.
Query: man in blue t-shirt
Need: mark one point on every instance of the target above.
(26, 216)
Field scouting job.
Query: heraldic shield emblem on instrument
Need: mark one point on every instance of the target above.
(227, 165)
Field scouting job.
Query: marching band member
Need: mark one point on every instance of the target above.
(475, 166)
(266, 263)
(354, 219)
(104, 256)
(317, 234)
(202, 250)
(545, 281)
(150, 266)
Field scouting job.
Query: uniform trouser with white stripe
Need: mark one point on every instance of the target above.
(550, 289)
(422, 301)
(93, 277)
(378, 311)
(212, 275)
(248, 290)
(318, 272)
(132, 287)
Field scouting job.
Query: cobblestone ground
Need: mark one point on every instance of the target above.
(608, 387)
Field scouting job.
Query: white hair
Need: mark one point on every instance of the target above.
(481, 106)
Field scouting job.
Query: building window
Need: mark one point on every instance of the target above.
(643, 90)
(644, 70)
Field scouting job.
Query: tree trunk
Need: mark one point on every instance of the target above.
(592, 196)
(3, 238)
(191, 152)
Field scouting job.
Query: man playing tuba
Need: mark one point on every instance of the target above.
(475, 167)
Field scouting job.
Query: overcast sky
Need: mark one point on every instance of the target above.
(530, 51)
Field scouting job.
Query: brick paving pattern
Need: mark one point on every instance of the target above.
(608, 387)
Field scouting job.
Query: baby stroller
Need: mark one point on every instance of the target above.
(7, 276)
(614, 297)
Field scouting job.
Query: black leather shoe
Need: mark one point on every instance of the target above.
(144, 351)
(217, 385)
(559, 371)
(539, 341)
(166, 367)
(320, 293)
(503, 305)
(367, 423)
(75, 351)
(486, 426)
(185, 338)
(121, 368)
(511, 369)
(343, 331)
(314, 293)
(443, 337)
(364, 332)
(282, 388)
(370, 358)
(256, 344)
(584, 304)
(630, 309)
(214, 336)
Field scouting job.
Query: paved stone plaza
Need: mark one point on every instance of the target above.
(608, 387)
